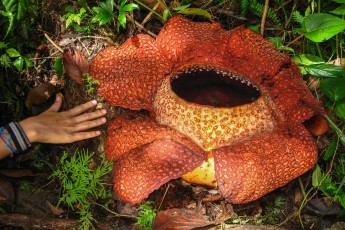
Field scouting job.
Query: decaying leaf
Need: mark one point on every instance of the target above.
(75, 64)
(40, 94)
(6, 191)
(180, 219)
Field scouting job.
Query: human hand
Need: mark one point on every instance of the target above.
(69, 126)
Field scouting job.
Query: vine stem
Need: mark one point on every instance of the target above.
(263, 19)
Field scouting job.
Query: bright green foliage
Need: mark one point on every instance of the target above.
(90, 83)
(104, 13)
(11, 57)
(147, 215)
(58, 66)
(320, 27)
(185, 9)
(123, 7)
(75, 20)
(82, 185)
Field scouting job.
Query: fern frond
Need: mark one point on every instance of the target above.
(258, 9)
(297, 17)
(244, 7)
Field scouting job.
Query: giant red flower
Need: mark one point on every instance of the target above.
(224, 103)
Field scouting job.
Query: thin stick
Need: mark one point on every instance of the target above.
(163, 198)
(263, 19)
(53, 43)
(140, 26)
(149, 15)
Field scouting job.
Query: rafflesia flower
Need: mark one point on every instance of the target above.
(225, 110)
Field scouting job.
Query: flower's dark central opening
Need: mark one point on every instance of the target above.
(206, 86)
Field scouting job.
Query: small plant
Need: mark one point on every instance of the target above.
(90, 83)
(258, 9)
(123, 7)
(147, 215)
(82, 185)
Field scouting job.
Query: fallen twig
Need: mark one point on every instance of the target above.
(264, 15)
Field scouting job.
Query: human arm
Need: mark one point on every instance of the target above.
(56, 127)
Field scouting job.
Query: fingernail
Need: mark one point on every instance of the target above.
(103, 119)
(98, 132)
(94, 102)
(58, 98)
(104, 111)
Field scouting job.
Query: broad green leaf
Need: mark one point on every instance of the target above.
(103, 16)
(316, 177)
(277, 42)
(58, 66)
(332, 147)
(339, 1)
(12, 53)
(19, 64)
(307, 59)
(333, 88)
(340, 110)
(255, 28)
(195, 11)
(181, 7)
(320, 27)
(122, 19)
(325, 70)
(340, 10)
(28, 62)
(130, 7)
(108, 5)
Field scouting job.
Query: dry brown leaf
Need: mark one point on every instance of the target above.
(40, 94)
(75, 65)
(338, 62)
(180, 219)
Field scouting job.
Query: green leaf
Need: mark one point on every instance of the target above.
(333, 88)
(320, 27)
(13, 53)
(340, 10)
(103, 15)
(19, 64)
(340, 110)
(316, 177)
(58, 66)
(332, 147)
(166, 14)
(10, 17)
(75, 18)
(277, 42)
(339, 1)
(181, 7)
(195, 11)
(130, 7)
(307, 59)
(3, 45)
(325, 70)
(28, 62)
(122, 19)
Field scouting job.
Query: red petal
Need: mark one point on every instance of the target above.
(129, 75)
(292, 96)
(145, 169)
(133, 131)
(249, 169)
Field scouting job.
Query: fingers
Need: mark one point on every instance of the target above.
(57, 104)
(81, 108)
(89, 124)
(84, 135)
(89, 116)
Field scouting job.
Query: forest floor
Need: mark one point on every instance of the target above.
(29, 196)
